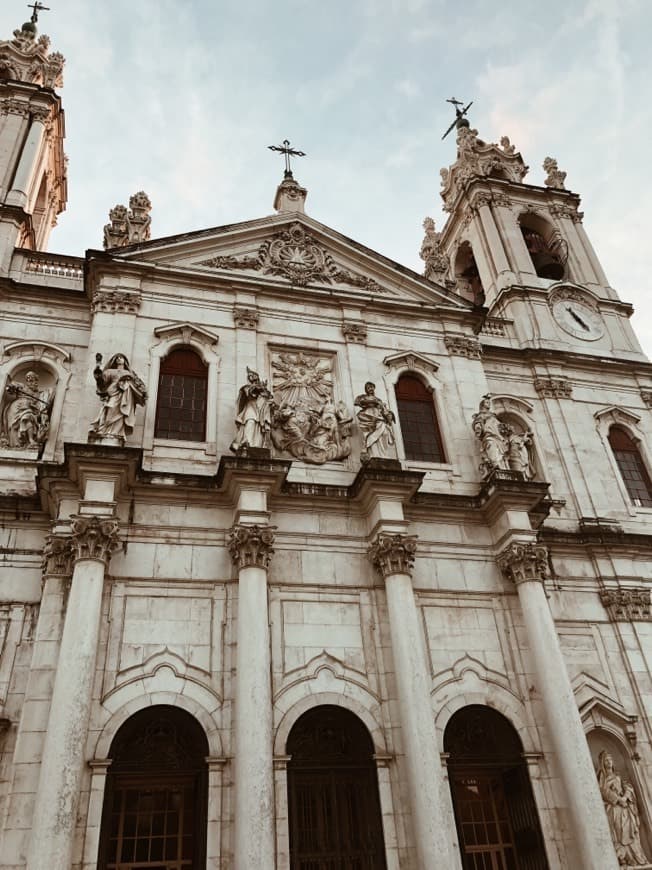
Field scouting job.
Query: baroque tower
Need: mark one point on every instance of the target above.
(33, 187)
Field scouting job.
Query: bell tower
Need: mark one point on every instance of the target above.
(521, 251)
(33, 187)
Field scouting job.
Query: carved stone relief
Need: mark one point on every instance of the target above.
(520, 563)
(563, 210)
(26, 408)
(94, 537)
(627, 604)
(355, 331)
(553, 388)
(129, 226)
(623, 813)
(646, 395)
(393, 554)
(307, 422)
(245, 317)
(463, 345)
(115, 301)
(121, 391)
(293, 253)
(58, 555)
(251, 546)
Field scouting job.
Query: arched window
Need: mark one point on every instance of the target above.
(333, 803)
(631, 466)
(546, 247)
(155, 801)
(416, 412)
(496, 817)
(181, 398)
(469, 283)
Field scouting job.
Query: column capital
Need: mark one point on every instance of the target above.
(58, 555)
(94, 537)
(521, 562)
(251, 546)
(393, 554)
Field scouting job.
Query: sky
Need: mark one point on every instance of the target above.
(181, 99)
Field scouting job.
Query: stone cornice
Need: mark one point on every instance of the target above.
(251, 546)
(524, 562)
(393, 554)
(94, 537)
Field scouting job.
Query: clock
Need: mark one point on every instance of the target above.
(578, 318)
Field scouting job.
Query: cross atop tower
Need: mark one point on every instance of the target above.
(460, 120)
(37, 7)
(288, 152)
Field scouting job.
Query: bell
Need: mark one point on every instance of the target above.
(547, 266)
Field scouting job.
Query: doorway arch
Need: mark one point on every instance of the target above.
(155, 801)
(496, 817)
(333, 802)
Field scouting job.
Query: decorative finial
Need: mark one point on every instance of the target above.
(460, 120)
(555, 178)
(288, 152)
(37, 7)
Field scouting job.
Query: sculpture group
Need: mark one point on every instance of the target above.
(502, 447)
(26, 410)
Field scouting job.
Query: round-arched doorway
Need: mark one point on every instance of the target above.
(334, 808)
(495, 813)
(155, 802)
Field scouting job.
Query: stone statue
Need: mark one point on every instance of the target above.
(506, 145)
(253, 414)
(488, 429)
(26, 414)
(555, 177)
(306, 420)
(519, 450)
(432, 254)
(375, 421)
(622, 811)
(121, 391)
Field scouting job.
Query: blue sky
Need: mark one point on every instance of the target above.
(181, 99)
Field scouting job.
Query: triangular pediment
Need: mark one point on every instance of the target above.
(296, 251)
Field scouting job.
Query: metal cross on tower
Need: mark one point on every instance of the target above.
(288, 152)
(37, 7)
(459, 114)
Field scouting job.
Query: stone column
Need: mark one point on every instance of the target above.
(393, 556)
(526, 565)
(24, 177)
(251, 550)
(94, 538)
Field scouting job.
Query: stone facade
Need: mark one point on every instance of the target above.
(247, 585)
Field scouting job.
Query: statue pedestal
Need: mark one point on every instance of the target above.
(107, 440)
(377, 463)
(255, 453)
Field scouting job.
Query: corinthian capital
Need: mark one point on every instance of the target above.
(94, 537)
(522, 562)
(393, 554)
(251, 546)
(57, 555)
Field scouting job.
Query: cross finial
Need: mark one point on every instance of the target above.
(288, 152)
(37, 7)
(460, 112)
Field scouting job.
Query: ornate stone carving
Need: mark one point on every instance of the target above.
(626, 604)
(251, 546)
(306, 420)
(502, 200)
(25, 414)
(494, 326)
(375, 422)
(555, 178)
(564, 210)
(478, 159)
(290, 196)
(121, 391)
(253, 415)
(14, 107)
(25, 58)
(622, 812)
(433, 255)
(294, 254)
(129, 226)
(355, 331)
(553, 387)
(502, 445)
(393, 554)
(244, 317)
(58, 555)
(646, 395)
(463, 345)
(114, 301)
(522, 562)
(506, 145)
(94, 537)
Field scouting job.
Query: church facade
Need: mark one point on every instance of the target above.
(309, 561)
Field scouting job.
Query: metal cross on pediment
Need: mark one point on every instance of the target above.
(37, 7)
(459, 114)
(288, 152)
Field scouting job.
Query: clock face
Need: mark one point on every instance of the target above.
(578, 318)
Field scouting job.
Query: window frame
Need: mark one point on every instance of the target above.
(184, 374)
(629, 421)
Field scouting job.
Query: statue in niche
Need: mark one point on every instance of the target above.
(622, 811)
(253, 418)
(306, 420)
(376, 424)
(26, 414)
(519, 450)
(488, 430)
(121, 391)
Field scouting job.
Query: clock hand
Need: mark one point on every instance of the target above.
(576, 317)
